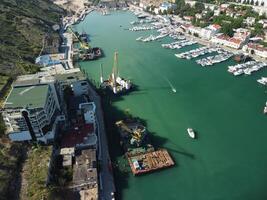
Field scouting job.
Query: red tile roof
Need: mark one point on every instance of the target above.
(74, 137)
(257, 47)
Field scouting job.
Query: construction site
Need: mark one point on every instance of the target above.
(150, 161)
(141, 155)
(84, 52)
(116, 83)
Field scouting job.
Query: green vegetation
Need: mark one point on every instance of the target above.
(227, 22)
(263, 43)
(3, 81)
(24, 24)
(11, 157)
(36, 171)
(184, 9)
(257, 29)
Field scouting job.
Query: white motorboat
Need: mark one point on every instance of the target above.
(191, 133)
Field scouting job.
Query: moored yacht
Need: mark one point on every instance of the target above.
(262, 81)
(191, 133)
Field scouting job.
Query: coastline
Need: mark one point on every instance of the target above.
(199, 40)
(184, 112)
(106, 179)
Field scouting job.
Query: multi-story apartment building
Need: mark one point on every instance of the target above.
(30, 112)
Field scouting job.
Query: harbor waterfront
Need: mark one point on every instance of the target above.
(227, 160)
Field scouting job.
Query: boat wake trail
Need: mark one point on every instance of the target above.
(171, 85)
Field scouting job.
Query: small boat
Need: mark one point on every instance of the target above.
(191, 133)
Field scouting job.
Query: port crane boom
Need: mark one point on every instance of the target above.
(83, 44)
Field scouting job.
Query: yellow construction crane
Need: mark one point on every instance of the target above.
(84, 45)
(135, 133)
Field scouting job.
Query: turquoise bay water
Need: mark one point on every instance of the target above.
(228, 160)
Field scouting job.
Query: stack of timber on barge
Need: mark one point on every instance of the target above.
(149, 161)
(141, 155)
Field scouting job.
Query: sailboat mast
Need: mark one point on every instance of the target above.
(115, 68)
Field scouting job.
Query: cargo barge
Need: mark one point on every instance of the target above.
(141, 155)
(149, 161)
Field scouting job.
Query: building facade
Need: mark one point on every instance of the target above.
(30, 112)
(255, 49)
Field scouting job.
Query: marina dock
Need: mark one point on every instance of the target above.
(150, 161)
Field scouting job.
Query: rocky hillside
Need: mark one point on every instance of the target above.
(24, 24)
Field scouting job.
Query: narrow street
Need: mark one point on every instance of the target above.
(107, 186)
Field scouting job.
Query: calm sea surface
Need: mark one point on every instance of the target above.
(227, 161)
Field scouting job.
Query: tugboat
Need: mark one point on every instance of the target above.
(84, 37)
(90, 54)
(191, 133)
(87, 55)
(97, 51)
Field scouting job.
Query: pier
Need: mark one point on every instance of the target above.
(246, 68)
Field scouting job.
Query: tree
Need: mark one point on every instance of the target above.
(237, 23)
(231, 6)
(169, 11)
(227, 29)
(164, 12)
(199, 7)
(208, 15)
(180, 3)
(258, 29)
(2, 125)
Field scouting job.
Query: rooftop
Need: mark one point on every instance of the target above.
(70, 77)
(76, 136)
(84, 170)
(91, 194)
(257, 47)
(33, 79)
(31, 96)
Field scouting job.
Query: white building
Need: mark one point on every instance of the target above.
(227, 41)
(263, 22)
(210, 31)
(88, 110)
(198, 16)
(239, 39)
(76, 80)
(217, 12)
(31, 112)
(194, 30)
(250, 21)
(255, 49)
(166, 6)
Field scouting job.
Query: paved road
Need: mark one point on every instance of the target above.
(106, 177)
